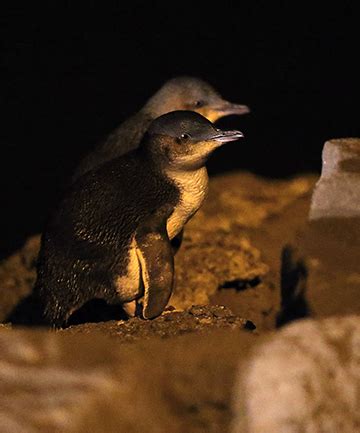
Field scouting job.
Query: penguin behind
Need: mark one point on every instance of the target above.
(181, 93)
(110, 236)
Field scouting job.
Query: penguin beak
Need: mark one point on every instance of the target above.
(226, 136)
(222, 108)
(227, 108)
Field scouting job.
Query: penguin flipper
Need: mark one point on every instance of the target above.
(156, 259)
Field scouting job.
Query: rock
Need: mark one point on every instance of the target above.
(337, 193)
(331, 249)
(306, 378)
(206, 262)
(261, 215)
(18, 275)
(232, 244)
(56, 382)
(245, 200)
(199, 319)
(322, 263)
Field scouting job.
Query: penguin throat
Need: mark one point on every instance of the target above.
(193, 187)
(189, 163)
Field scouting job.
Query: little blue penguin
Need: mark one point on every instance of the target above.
(181, 93)
(110, 236)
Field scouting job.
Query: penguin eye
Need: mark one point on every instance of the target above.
(185, 136)
(199, 103)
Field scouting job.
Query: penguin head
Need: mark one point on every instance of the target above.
(184, 140)
(188, 93)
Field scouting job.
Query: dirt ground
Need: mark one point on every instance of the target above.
(180, 367)
(230, 253)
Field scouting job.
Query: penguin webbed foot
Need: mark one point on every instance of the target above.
(133, 308)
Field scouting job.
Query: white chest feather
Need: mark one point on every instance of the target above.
(193, 186)
(128, 283)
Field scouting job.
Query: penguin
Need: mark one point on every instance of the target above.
(181, 93)
(109, 237)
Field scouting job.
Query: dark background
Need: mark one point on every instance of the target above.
(71, 73)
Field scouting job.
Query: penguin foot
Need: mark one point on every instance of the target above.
(130, 308)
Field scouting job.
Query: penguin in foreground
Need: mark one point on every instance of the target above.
(181, 93)
(110, 236)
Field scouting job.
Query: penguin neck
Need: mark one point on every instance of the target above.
(192, 186)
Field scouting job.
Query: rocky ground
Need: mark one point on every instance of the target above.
(174, 373)
(59, 383)
(230, 253)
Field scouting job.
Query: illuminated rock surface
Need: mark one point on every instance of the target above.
(337, 193)
(234, 243)
(60, 383)
(304, 379)
(197, 319)
(18, 275)
(177, 373)
(329, 245)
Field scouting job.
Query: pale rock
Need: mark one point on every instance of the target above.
(337, 193)
(60, 383)
(304, 379)
(322, 263)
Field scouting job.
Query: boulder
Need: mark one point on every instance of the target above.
(305, 378)
(61, 383)
(321, 265)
